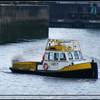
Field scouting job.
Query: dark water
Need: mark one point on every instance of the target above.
(49, 87)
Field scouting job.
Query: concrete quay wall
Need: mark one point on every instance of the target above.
(23, 22)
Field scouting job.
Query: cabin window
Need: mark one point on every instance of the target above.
(62, 56)
(50, 56)
(70, 56)
(80, 55)
(56, 56)
(76, 55)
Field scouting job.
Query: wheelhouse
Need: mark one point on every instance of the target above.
(63, 50)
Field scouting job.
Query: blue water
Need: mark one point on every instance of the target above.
(16, 86)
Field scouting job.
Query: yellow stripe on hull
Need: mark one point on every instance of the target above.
(76, 67)
(25, 65)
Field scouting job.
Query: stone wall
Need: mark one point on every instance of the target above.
(23, 22)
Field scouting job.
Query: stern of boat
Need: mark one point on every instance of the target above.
(95, 69)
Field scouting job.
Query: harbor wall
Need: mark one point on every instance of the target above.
(23, 22)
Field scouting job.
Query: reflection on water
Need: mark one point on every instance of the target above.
(33, 50)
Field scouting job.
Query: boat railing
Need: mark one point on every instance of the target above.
(63, 45)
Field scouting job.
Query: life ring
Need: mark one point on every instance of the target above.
(46, 66)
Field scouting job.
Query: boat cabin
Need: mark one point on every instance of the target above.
(63, 56)
(63, 50)
(60, 53)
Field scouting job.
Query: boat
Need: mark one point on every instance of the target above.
(62, 58)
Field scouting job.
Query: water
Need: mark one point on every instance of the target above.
(16, 86)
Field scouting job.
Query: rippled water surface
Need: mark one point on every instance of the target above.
(49, 87)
